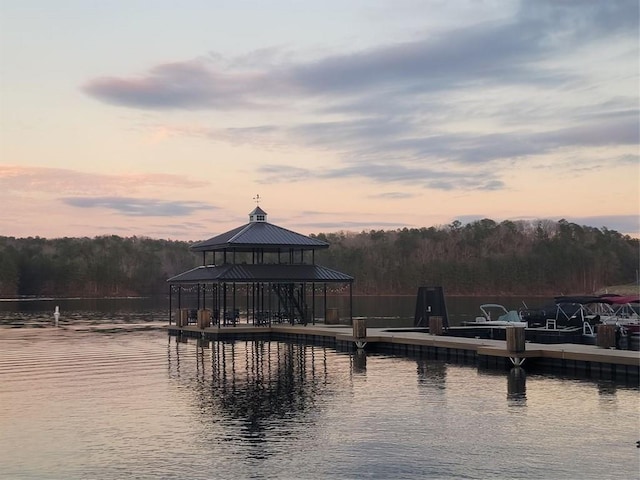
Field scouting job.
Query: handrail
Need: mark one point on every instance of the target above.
(587, 328)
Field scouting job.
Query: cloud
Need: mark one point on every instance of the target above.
(443, 179)
(338, 226)
(626, 224)
(381, 138)
(43, 180)
(493, 52)
(581, 21)
(283, 174)
(469, 218)
(191, 85)
(454, 60)
(446, 110)
(392, 195)
(428, 177)
(138, 207)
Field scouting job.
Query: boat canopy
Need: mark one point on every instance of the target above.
(622, 299)
(582, 299)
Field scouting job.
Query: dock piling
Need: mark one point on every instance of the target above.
(435, 325)
(515, 344)
(360, 332)
(606, 336)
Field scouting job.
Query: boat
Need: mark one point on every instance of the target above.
(623, 311)
(567, 311)
(494, 314)
(586, 312)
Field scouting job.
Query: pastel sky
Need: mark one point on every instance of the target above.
(165, 119)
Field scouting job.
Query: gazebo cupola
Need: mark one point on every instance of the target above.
(257, 215)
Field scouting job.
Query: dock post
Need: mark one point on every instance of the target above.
(515, 344)
(204, 318)
(435, 325)
(56, 315)
(606, 336)
(332, 316)
(360, 332)
(183, 316)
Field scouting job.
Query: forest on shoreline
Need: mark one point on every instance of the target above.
(480, 258)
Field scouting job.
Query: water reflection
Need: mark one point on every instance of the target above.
(607, 388)
(607, 393)
(359, 362)
(263, 385)
(517, 386)
(148, 405)
(432, 373)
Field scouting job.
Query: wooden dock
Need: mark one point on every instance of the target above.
(587, 360)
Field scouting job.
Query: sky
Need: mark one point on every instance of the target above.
(169, 119)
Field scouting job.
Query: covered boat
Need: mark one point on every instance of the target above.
(494, 314)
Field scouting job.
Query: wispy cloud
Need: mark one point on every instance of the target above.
(131, 195)
(443, 179)
(392, 195)
(626, 224)
(348, 226)
(190, 85)
(138, 207)
(76, 182)
(629, 224)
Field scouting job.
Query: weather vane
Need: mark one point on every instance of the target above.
(257, 199)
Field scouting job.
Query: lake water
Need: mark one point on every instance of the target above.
(110, 396)
(390, 310)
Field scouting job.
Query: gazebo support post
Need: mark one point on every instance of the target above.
(170, 295)
(233, 288)
(313, 303)
(351, 303)
(269, 293)
(325, 303)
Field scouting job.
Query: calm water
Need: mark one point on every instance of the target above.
(110, 398)
(379, 310)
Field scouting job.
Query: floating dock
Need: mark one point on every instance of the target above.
(574, 359)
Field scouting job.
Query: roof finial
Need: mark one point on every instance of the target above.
(257, 199)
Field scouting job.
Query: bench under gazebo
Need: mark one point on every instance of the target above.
(259, 274)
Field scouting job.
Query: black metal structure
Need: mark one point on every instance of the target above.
(266, 269)
(430, 302)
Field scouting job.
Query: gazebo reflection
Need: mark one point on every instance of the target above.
(263, 384)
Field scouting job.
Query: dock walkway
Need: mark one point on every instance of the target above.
(586, 360)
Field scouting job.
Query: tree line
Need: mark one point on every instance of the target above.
(486, 258)
(478, 258)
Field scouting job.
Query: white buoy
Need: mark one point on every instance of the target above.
(56, 315)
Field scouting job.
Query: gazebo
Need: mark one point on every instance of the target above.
(258, 272)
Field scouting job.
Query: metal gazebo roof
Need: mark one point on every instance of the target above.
(248, 273)
(262, 235)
